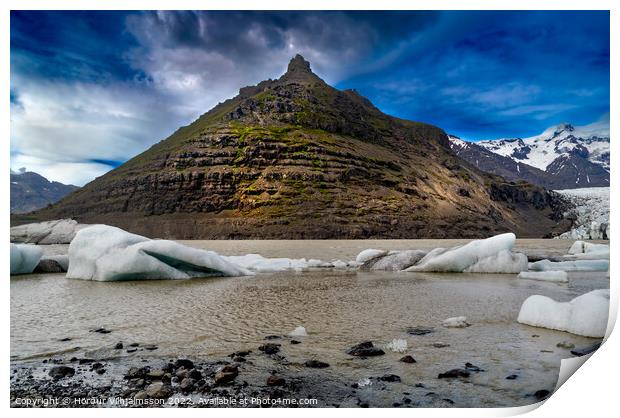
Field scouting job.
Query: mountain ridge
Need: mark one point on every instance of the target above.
(297, 158)
(561, 157)
(31, 191)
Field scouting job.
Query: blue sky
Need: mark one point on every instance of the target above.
(90, 89)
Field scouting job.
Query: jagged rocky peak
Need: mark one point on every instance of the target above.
(299, 71)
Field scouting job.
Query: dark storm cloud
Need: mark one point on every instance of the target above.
(82, 81)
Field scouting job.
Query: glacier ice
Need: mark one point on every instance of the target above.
(369, 254)
(591, 210)
(107, 253)
(258, 263)
(456, 322)
(559, 276)
(585, 315)
(60, 231)
(24, 258)
(300, 331)
(577, 265)
(589, 251)
(491, 255)
(397, 345)
(398, 260)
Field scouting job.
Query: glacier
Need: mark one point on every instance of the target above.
(24, 258)
(585, 315)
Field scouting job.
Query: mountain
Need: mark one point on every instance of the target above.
(574, 157)
(31, 191)
(506, 167)
(297, 158)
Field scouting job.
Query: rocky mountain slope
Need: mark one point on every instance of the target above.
(573, 157)
(31, 191)
(297, 158)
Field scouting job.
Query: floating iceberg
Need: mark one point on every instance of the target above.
(369, 254)
(577, 265)
(585, 315)
(258, 263)
(24, 258)
(491, 255)
(589, 251)
(106, 253)
(60, 231)
(546, 276)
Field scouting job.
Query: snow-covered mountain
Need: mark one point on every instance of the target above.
(570, 156)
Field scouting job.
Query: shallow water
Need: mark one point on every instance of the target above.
(215, 317)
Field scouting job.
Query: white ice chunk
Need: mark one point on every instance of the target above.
(24, 258)
(585, 315)
(589, 251)
(577, 265)
(456, 322)
(106, 253)
(369, 254)
(546, 276)
(298, 332)
(339, 264)
(60, 231)
(491, 255)
(397, 345)
(258, 263)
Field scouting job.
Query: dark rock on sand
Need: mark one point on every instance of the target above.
(60, 372)
(47, 265)
(316, 364)
(158, 390)
(419, 330)
(585, 350)
(512, 377)
(118, 346)
(440, 345)
(541, 394)
(365, 349)
(295, 342)
(454, 373)
(101, 330)
(137, 373)
(183, 362)
(274, 380)
(270, 348)
(156, 374)
(226, 375)
(565, 344)
(65, 339)
(407, 359)
(473, 368)
(273, 337)
(390, 378)
(187, 384)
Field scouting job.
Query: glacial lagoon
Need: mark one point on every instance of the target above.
(54, 318)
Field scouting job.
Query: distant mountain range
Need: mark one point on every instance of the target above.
(562, 157)
(31, 191)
